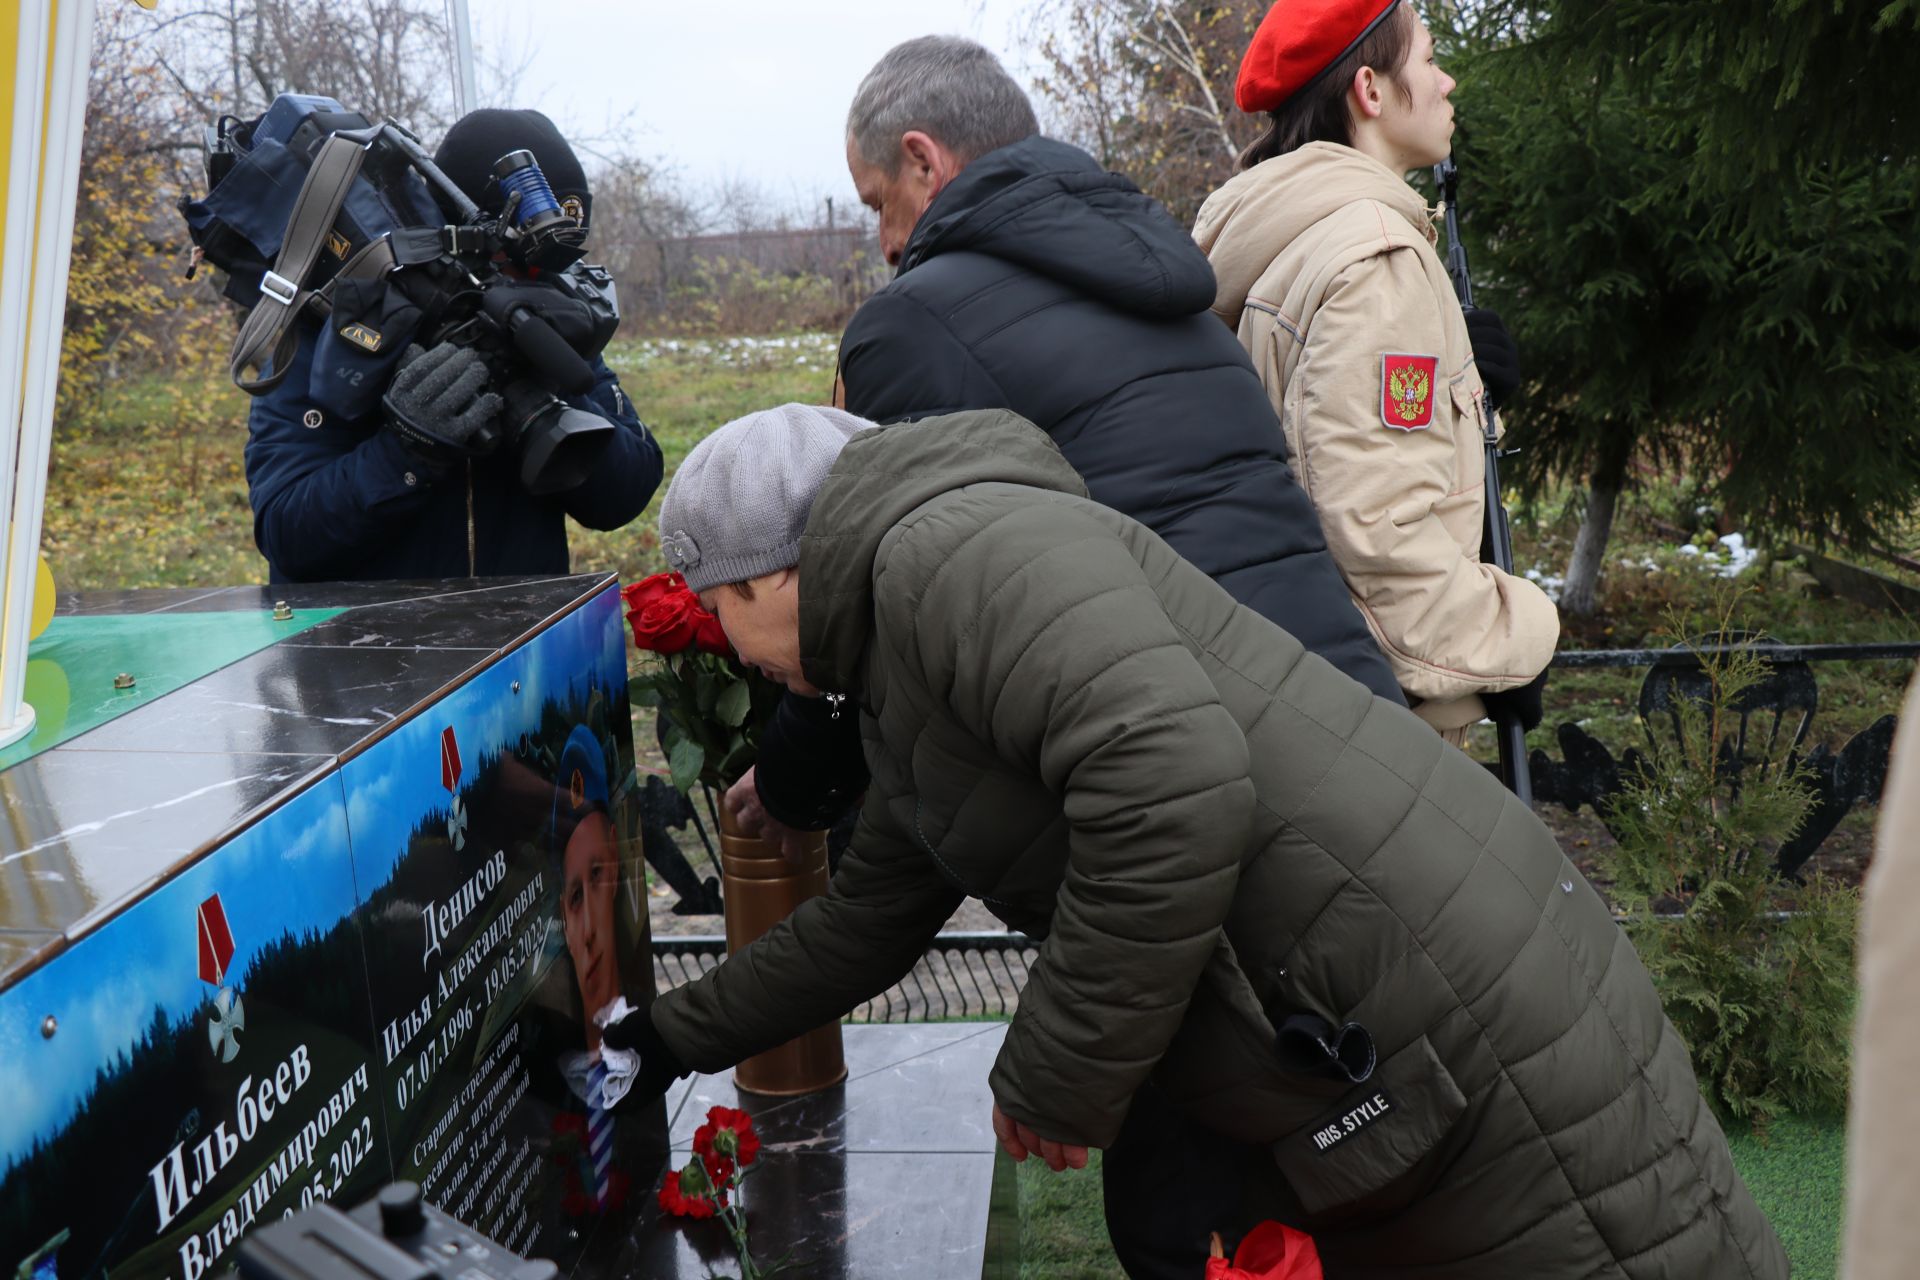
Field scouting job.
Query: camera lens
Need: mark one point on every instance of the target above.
(560, 446)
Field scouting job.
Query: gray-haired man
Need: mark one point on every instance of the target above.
(1030, 279)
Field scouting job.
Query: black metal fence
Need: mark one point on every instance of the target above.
(980, 975)
(1786, 699)
(963, 975)
(1892, 650)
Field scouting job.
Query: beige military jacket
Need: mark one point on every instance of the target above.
(1327, 271)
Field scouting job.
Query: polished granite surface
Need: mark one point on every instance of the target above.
(426, 595)
(74, 665)
(92, 823)
(893, 1173)
(68, 855)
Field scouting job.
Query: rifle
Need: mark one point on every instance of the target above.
(1497, 537)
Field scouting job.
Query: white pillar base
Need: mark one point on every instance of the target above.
(19, 728)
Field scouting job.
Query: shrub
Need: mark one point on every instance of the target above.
(733, 296)
(1755, 971)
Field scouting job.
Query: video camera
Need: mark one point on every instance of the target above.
(395, 1236)
(313, 210)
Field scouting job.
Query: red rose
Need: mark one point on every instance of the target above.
(709, 638)
(668, 624)
(644, 592)
(667, 618)
(664, 615)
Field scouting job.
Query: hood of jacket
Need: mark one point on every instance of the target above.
(1247, 223)
(882, 475)
(1050, 208)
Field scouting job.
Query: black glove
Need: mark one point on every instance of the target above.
(811, 769)
(1523, 702)
(659, 1065)
(1495, 353)
(439, 402)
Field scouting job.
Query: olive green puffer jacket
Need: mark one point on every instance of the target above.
(1219, 836)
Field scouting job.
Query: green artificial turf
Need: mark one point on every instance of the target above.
(1797, 1175)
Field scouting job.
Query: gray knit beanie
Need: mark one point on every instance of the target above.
(737, 506)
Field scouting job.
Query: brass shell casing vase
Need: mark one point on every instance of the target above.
(761, 888)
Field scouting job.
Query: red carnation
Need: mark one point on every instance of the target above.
(728, 1134)
(722, 1149)
(676, 1201)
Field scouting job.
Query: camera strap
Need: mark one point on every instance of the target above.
(268, 329)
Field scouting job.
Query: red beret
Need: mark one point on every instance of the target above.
(1298, 42)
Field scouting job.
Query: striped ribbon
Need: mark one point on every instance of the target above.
(599, 1135)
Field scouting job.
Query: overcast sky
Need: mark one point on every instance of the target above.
(751, 89)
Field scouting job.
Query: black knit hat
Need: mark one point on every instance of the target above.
(478, 139)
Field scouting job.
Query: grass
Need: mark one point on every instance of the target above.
(152, 492)
(149, 494)
(684, 389)
(1797, 1175)
(1063, 1233)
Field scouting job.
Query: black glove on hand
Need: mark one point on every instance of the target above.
(811, 769)
(1523, 702)
(659, 1065)
(1495, 353)
(438, 402)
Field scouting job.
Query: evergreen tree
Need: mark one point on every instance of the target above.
(1699, 221)
(1755, 972)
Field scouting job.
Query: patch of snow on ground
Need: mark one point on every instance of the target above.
(1729, 558)
(1739, 555)
(1551, 583)
(806, 349)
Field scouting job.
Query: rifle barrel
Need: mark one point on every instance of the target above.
(1497, 542)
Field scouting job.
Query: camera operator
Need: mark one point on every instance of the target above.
(391, 494)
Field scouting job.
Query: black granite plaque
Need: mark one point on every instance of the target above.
(893, 1173)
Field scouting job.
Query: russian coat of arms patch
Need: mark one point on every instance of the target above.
(1406, 391)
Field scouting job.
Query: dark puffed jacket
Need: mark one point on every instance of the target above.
(1217, 835)
(336, 498)
(1040, 283)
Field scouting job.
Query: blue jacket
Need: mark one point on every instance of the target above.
(344, 500)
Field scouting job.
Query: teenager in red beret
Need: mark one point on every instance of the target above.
(1327, 269)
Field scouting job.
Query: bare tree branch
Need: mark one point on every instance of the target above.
(1147, 86)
